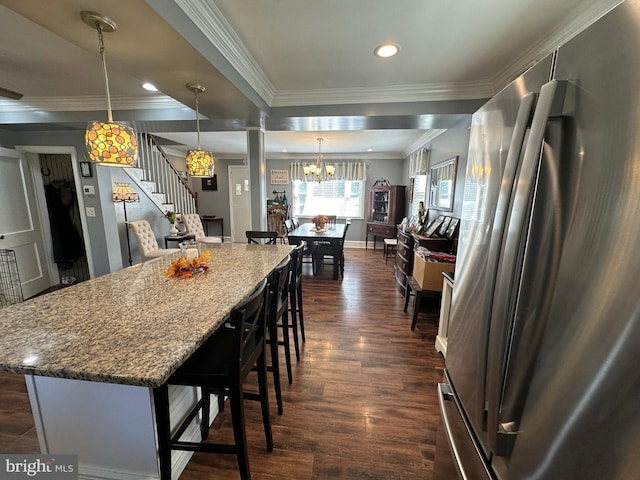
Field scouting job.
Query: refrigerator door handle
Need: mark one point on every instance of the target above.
(468, 459)
(445, 394)
(507, 283)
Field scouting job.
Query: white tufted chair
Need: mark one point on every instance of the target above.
(147, 240)
(194, 226)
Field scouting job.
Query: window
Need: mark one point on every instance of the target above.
(419, 192)
(343, 198)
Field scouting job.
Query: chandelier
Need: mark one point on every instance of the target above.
(199, 162)
(108, 143)
(318, 171)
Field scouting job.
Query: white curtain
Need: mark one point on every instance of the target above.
(419, 162)
(296, 171)
(344, 171)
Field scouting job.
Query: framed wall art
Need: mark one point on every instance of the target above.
(279, 177)
(210, 183)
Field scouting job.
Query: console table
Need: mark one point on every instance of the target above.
(206, 219)
(177, 238)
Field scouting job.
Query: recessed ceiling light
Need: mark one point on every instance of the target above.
(284, 150)
(149, 86)
(369, 149)
(386, 50)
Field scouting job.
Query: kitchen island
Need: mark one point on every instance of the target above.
(92, 354)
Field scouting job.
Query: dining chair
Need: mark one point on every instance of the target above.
(220, 367)
(261, 237)
(193, 224)
(276, 223)
(332, 220)
(288, 223)
(147, 243)
(324, 252)
(307, 255)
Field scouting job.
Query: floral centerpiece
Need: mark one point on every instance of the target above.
(185, 268)
(171, 216)
(320, 221)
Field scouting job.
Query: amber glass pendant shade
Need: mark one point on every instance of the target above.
(200, 164)
(111, 144)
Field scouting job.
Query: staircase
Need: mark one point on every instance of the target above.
(159, 180)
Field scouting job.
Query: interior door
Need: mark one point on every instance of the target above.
(20, 226)
(239, 202)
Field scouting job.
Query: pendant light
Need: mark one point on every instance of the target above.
(315, 171)
(108, 143)
(199, 162)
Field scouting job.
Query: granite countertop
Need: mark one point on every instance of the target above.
(134, 326)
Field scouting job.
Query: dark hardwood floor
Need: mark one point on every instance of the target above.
(363, 400)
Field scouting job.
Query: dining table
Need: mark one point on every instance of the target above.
(332, 234)
(93, 353)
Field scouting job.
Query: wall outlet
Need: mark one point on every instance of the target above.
(91, 212)
(89, 190)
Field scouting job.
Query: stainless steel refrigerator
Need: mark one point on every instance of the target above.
(542, 376)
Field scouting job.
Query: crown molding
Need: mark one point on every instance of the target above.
(208, 18)
(88, 103)
(422, 142)
(335, 157)
(538, 51)
(388, 94)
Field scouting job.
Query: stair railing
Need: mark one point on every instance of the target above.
(158, 169)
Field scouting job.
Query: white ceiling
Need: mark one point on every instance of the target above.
(301, 69)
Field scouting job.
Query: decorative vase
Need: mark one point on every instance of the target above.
(173, 230)
(319, 226)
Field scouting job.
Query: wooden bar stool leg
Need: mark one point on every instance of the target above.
(237, 420)
(300, 312)
(287, 346)
(294, 322)
(275, 364)
(264, 400)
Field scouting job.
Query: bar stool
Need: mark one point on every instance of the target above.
(389, 247)
(220, 367)
(276, 318)
(279, 320)
(295, 295)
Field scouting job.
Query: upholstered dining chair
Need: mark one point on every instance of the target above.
(193, 223)
(147, 242)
